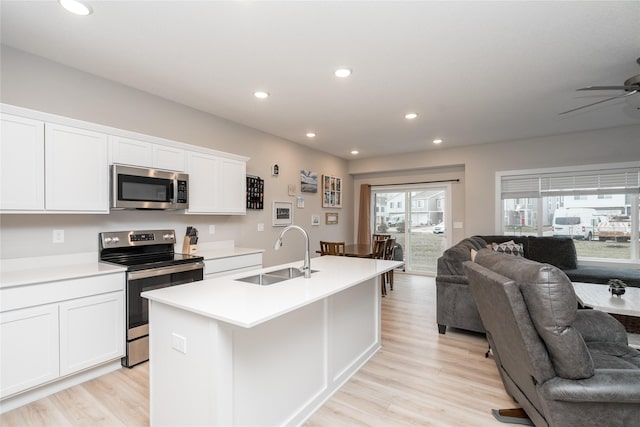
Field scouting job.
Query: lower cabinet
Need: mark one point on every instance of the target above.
(43, 343)
(30, 348)
(91, 331)
(230, 265)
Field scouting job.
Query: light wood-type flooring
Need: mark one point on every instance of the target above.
(418, 378)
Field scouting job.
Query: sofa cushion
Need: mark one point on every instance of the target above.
(557, 251)
(552, 304)
(509, 248)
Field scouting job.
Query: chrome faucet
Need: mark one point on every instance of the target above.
(306, 268)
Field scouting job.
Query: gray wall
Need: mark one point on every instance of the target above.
(39, 84)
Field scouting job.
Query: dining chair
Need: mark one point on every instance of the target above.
(332, 248)
(388, 254)
(378, 252)
(375, 236)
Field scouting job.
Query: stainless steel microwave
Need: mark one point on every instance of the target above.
(142, 188)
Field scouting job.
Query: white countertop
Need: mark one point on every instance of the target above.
(30, 271)
(247, 305)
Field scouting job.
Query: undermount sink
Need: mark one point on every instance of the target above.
(288, 273)
(272, 277)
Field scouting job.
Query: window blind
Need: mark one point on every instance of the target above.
(604, 181)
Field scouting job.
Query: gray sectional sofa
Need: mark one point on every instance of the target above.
(455, 304)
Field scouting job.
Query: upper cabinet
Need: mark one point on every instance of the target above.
(77, 170)
(217, 185)
(52, 168)
(21, 164)
(133, 152)
(52, 164)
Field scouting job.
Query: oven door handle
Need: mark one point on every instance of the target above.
(154, 272)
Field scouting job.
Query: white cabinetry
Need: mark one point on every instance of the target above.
(222, 266)
(217, 185)
(76, 169)
(132, 152)
(21, 164)
(91, 331)
(29, 348)
(54, 329)
(48, 167)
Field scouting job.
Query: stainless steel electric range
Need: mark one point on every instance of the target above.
(151, 264)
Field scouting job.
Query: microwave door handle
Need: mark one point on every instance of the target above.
(174, 191)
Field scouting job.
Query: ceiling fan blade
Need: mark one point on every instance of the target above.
(601, 101)
(635, 87)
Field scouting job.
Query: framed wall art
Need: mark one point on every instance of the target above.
(331, 218)
(331, 191)
(282, 214)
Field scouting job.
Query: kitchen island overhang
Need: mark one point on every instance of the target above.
(225, 352)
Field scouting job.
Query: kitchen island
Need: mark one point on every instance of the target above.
(224, 352)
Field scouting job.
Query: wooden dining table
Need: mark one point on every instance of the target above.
(358, 250)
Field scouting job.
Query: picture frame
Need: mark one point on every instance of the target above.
(308, 181)
(315, 219)
(331, 218)
(331, 191)
(282, 214)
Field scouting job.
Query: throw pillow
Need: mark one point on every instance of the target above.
(509, 248)
(473, 255)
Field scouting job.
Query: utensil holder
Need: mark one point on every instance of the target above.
(188, 248)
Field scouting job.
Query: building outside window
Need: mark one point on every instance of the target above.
(597, 206)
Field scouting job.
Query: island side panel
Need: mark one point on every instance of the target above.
(279, 366)
(354, 329)
(190, 388)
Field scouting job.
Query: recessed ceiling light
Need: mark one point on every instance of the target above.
(343, 72)
(76, 7)
(354, 152)
(260, 94)
(311, 134)
(437, 141)
(410, 116)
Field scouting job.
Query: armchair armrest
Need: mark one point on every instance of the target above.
(606, 385)
(598, 326)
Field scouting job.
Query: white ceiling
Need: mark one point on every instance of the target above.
(475, 72)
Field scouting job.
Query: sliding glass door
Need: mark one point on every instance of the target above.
(415, 216)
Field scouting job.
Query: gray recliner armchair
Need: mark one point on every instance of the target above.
(565, 367)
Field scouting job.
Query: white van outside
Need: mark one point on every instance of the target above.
(578, 223)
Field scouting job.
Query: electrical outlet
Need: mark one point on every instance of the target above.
(58, 236)
(212, 229)
(178, 342)
(260, 226)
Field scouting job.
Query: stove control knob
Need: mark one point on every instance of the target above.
(107, 240)
(168, 236)
(116, 239)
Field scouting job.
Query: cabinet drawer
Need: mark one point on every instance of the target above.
(46, 293)
(219, 265)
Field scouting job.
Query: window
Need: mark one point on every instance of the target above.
(597, 206)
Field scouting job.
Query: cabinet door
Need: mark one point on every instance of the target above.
(233, 186)
(91, 331)
(21, 164)
(131, 152)
(77, 170)
(29, 348)
(203, 172)
(168, 158)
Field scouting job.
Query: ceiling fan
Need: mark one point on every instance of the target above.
(631, 86)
